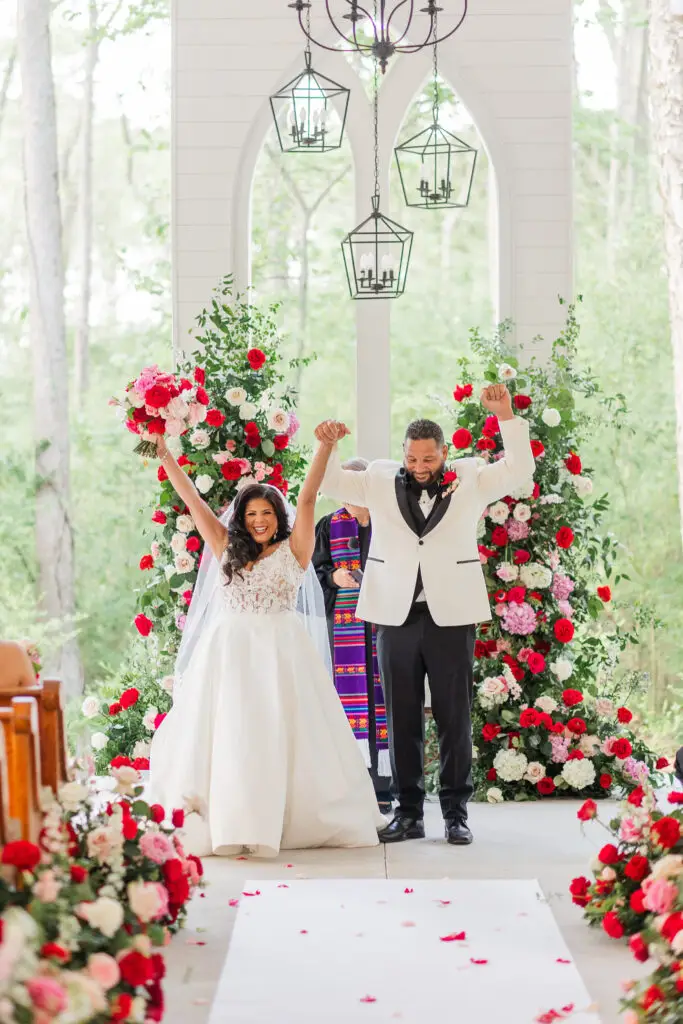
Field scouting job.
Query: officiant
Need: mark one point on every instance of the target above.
(341, 549)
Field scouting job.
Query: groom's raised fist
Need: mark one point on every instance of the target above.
(331, 431)
(496, 399)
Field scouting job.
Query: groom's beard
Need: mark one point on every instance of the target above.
(430, 480)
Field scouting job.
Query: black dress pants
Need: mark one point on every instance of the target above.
(445, 655)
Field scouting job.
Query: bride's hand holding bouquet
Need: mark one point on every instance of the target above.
(158, 404)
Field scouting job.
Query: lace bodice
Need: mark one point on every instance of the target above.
(271, 586)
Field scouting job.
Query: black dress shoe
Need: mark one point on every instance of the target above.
(402, 828)
(458, 833)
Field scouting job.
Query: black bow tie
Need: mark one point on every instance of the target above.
(417, 488)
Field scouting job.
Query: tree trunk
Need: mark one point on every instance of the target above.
(304, 285)
(54, 534)
(86, 199)
(666, 100)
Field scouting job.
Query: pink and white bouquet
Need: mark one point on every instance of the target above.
(162, 404)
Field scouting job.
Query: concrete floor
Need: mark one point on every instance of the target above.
(534, 840)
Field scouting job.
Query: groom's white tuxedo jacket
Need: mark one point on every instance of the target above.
(446, 552)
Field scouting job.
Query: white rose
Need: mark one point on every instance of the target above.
(155, 550)
(562, 668)
(127, 778)
(546, 703)
(268, 448)
(105, 914)
(494, 795)
(148, 720)
(535, 772)
(178, 543)
(506, 372)
(499, 512)
(583, 485)
(185, 524)
(551, 417)
(145, 901)
(247, 411)
(200, 439)
(142, 749)
(204, 483)
(579, 774)
(72, 795)
(90, 707)
(167, 683)
(525, 491)
(670, 866)
(99, 740)
(236, 396)
(522, 513)
(184, 563)
(278, 420)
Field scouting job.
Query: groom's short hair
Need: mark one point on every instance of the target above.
(425, 430)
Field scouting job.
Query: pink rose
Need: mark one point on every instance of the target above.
(148, 900)
(608, 746)
(47, 887)
(197, 414)
(48, 995)
(660, 895)
(230, 446)
(221, 458)
(156, 847)
(103, 969)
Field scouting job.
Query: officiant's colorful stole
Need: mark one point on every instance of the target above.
(350, 662)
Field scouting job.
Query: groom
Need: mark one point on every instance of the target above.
(424, 588)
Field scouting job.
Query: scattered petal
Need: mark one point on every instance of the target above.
(473, 961)
(241, 858)
(569, 1008)
(202, 895)
(407, 891)
(289, 865)
(453, 937)
(303, 932)
(443, 903)
(561, 960)
(407, 924)
(283, 886)
(194, 942)
(256, 893)
(233, 903)
(368, 999)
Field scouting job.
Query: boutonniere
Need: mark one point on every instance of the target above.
(450, 483)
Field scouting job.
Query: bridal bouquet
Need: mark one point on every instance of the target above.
(162, 404)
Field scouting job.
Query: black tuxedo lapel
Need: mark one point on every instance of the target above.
(402, 497)
(438, 512)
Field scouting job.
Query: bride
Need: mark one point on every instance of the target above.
(257, 740)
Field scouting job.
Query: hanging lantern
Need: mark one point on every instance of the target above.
(377, 252)
(436, 168)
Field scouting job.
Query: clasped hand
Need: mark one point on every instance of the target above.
(331, 431)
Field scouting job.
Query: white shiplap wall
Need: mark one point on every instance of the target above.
(511, 63)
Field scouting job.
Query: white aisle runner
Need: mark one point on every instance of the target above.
(366, 950)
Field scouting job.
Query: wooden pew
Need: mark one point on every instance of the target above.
(22, 742)
(48, 695)
(9, 827)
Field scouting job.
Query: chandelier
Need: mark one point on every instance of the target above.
(377, 251)
(436, 168)
(384, 33)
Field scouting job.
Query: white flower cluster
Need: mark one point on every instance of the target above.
(551, 499)
(579, 773)
(493, 691)
(583, 485)
(526, 490)
(562, 668)
(546, 703)
(499, 512)
(510, 765)
(551, 417)
(494, 795)
(535, 576)
(522, 513)
(535, 772)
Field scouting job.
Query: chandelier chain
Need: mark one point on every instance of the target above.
(435, 62)
(307, 51)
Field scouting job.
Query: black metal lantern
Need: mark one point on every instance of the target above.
(310, 112)
(377, 251)
(436, 168)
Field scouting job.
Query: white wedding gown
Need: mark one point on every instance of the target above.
(257, 738)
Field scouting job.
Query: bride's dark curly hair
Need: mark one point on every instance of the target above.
(242, 548)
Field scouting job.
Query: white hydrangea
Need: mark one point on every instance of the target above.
(579, 773)
(493, 691)
(506, 372)
(535, 576)
(178, 543)
(551, 499)
(526, 490)
(184, 563)
(90, 707)
(204, 483)
(236, 396)
(247, 411)
(546, 703)
(98, 740)
(200, 439)
(494, 795)
(535, 772)
(510, 765)
(481, 528)
(278, 420)
(551, 417)
(522, 513)
(185, 524)
(583, 485)
(562, 668)
(499, 512)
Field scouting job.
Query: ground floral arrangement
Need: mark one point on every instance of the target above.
(550, 713)
(637, 894)
(85, 913)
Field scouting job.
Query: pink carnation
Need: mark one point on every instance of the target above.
(636, 770)
(660, 895)
(293, 425)
(156, 847)
(565, 609)
(519, 618)
(562, 587)
(630, 831)
(516, 530)
(560, 748)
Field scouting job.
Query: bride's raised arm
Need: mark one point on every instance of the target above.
(302, 541)
(208, 524)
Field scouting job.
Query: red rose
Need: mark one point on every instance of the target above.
(579, 888)
(449, 477)
(653, 995)
(178, 818)
(187, 596)
(215, 418)
(121, 1007)
(624, 715)
(521, 402)
(545, 786)
(640, 951)
(666, 832)
(577, 726)
(120, 761)
(157, 397)
(545, 720)
(605, 594)
(184, 461)
(140, 416)
(462, 438)
(462, 391)
(587, 811)
(136, 969)
(576, 755)
(231, 469)
(21, 854)
(141, 764)
(516, 595)
(612, 925)
(173, 870)
(78, 874)
(486, 444)
(499, 536)
(480, 650)
(115, 709)
(637, 868)
(564, 537)
(130, 828)
(129, 697)
(636, 902)
(252, 436)
(51, 951)
(672, 926)
(143, 625)
(536, 663)
(636, 796)
(199, 376)
(622, 749)
(159, 517)
(564, 630)
(675, 797)
(158, 813)
(606, 780)
(146, 562)
(161, 474)
(159, 719)
(491, 426)
(609, 854)
(558, 728)
(571, 698)
(156, 426)
(256, 358)
(193, 544)
(281, 441)
(528, 718)
(537, 449)
(491, 775)
(521, 557)
(202, 396)
(573, 464)
(489, 732)
(662, 762)
(185, 384)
